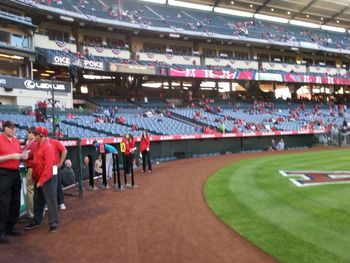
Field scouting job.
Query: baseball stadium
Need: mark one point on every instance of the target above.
(172, 131)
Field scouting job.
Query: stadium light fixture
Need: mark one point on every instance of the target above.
(190, 5)
(155, 1)
(153, 85)
(333, 28)
(86, 76)
(174, 35)
(232, 12)
(303, 24)
(67, 18)
(271, 18)
(11, 56)
(84, 89)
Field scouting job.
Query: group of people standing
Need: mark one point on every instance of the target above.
(43, 157)
(129, 153)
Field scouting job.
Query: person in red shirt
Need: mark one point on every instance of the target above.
(145, 151)
(45, 181)
(31, 145)
(10, 181)
(129, 152)
(59, 157)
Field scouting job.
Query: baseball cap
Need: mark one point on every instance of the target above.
(9, 124)
(42, 131)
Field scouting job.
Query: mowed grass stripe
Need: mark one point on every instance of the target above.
(297, 216)
(293, 224)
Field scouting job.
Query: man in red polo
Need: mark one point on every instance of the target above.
(10, 181)
(45, 181)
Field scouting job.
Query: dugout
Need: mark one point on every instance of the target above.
(188, 148)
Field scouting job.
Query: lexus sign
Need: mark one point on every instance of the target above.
(28, 84)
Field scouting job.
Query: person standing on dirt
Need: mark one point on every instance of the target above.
(31, 145)
(10, 182)
(145, 151)
(45, 181)
(129, 152)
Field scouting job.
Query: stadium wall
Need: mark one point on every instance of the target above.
(179, 149)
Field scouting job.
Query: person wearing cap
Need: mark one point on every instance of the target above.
(45, 182)
(31, 145)
(10, 182)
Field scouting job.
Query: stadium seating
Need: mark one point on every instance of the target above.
(236, 116)
(206, 22)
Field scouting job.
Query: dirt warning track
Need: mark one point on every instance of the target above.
(165, 220)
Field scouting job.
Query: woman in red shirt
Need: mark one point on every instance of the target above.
(145, 151)
(129, 152)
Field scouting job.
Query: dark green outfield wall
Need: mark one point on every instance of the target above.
(192, 148)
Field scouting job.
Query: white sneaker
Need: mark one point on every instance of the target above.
(62, 207)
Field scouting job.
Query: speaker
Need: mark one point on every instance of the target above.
(74, 73)
(8, 89)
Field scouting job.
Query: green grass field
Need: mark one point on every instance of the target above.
(293, 224)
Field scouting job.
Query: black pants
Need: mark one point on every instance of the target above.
(47, 194)
(10, 198)
(60, 197)
(128, 162)
(146, 155)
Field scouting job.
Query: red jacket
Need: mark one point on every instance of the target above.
(129, 144)
(43, 162)
(58, 149)
(32, 146)
(144, 144)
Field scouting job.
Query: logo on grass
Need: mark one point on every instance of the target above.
(311, 178)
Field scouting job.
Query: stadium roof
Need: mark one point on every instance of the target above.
(325, 12)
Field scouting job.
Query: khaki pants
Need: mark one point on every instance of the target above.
(30, 193)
